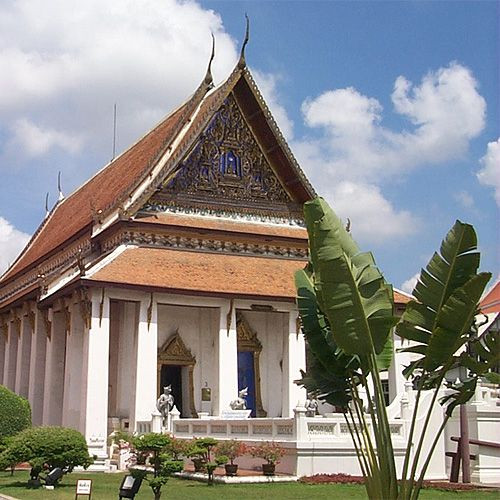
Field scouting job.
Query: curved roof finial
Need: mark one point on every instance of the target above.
(242, 63)
(47, 204)
(61, 195)
(208, 77)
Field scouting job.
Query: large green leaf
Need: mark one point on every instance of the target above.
(350, 290)
(445, 273)
(454, 322)
(435, 302)
(316, 330)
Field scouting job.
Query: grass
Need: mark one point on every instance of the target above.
(105, 486)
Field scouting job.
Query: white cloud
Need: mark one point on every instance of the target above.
(355, 144)
(489, 175)
(373, 218)
(12, 241)
(354, 153)
(35, 141)
(64, 63)
(464, 198)
(410, 283)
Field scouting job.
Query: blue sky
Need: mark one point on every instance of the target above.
(388, 106)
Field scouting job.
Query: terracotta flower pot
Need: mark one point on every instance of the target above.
(231, 469)
(268, 469)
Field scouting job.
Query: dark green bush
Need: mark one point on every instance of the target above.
(47, 447)
(15, 413)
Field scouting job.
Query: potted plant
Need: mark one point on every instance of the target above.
(226, 452)
(271, 452)
(201, 455)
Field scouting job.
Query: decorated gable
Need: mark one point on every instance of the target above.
(227, 171)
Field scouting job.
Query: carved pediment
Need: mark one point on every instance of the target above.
(175, 352)
(227, 165)
(247, 338)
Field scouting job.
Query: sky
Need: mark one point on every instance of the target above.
(391, 108)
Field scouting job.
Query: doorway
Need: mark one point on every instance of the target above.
(246, 378)
(172, 375)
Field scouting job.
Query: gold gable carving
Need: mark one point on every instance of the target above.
(174, 351)
(247, 338)
(227, 165)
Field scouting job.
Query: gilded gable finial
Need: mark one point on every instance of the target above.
(242, 63)
(208, 77)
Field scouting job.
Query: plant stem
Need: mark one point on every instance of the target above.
(418, 486)
(385, 453)
(423, 431)
(406, 463)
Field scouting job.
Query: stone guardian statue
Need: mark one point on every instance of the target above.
(240, 403)
(165, 403)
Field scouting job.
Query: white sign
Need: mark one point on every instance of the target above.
(235, 414)
(83, 486)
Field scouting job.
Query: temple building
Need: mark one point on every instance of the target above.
(172, 265)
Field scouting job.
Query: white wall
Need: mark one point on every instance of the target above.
(197, 328)
(127, 347)
(271, 329)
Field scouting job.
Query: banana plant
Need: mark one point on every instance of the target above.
(439, 323)
(346, 310)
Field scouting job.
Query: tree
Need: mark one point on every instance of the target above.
(346, 310)
(15, 413)
(47, 448)
(153, 450)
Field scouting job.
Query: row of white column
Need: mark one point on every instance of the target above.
(64, 372)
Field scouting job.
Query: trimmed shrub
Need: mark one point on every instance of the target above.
(46, 448)
(15, 413)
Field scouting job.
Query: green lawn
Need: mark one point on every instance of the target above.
(105, 486)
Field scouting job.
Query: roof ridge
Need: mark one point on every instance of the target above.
(275, 128)
(230, 82)
(190, 105)
(59, 203)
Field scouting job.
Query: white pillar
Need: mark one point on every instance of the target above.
(3, 342)
(226, 360)
(9, 374)
(54, 371)
(146, 361)
(294, 360)
(95, 376)
(72, 404)
(37, 370)
(23, 356)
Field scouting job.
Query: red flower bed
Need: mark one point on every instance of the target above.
(348, 479)
(332, 478)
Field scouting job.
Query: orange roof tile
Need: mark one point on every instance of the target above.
(491, 302)
(207, 273)
(226, 225)
(401, 298)
(202, 272)
(74, 213)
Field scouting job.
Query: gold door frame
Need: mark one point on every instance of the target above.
(248, 341)
(175, 352)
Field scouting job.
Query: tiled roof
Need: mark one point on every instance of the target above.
(74, 213)
(110, 187)
(401, 297)
(202, 222)
(491, 302)
(206, 273)
(192, 272)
